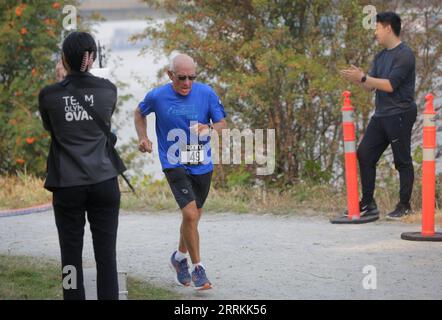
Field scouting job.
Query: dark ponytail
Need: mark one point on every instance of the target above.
(80, 51)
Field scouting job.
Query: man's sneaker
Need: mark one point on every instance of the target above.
(182, 270)
(400, 211)
(199, 279)
(366, 209)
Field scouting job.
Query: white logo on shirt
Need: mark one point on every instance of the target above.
(74, 111)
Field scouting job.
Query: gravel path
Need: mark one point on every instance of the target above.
(259, 256)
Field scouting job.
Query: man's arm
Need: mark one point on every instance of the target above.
(355, 74)
(378, 84)
(203, 129)
(144, 144)
(365, 87)
(220, 125)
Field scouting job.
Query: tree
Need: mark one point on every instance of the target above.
(275, 64)
(30, 35)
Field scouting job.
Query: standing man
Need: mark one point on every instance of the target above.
(186, 112)
(393, 77)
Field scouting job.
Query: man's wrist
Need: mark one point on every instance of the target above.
(363, 78)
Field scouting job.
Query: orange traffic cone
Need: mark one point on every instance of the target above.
(428, 178)
(351, 168)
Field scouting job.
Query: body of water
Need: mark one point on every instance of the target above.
(139, 72)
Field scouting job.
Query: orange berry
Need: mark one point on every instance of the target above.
(18, 11)
(56, 5)
(30, 140)
(21, 161)
(50, 22)
(23, 31)
(33, 72)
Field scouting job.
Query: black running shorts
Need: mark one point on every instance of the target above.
(188, 187)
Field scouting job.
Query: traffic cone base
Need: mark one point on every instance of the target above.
(360, 220)
(418, 236)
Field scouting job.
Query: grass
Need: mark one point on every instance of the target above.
(140, 290)
(26, 278)
(22, 191)
(23, 278)
(156, 196)
(300, 199)
(305, 199)
(416, 218)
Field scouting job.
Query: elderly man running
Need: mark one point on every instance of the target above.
(186, 112)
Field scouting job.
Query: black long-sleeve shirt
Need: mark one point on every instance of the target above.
(399, 66)
(78, 156)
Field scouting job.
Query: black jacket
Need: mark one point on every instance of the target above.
(78, 156)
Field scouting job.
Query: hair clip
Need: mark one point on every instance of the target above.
(85, 62)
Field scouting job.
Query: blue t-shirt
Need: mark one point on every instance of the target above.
(174, 116)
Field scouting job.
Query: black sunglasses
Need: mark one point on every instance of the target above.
(183, 78)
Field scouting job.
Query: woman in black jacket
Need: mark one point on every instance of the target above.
(80, 173)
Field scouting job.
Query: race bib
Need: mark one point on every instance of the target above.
(192, 154)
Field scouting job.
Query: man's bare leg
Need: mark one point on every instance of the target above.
(182, 245)
(189, 236)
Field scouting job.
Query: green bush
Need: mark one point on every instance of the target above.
(240, 177)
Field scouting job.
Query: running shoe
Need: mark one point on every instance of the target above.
(182, 270)
(199, 279)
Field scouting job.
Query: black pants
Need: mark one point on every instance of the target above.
(383, 131)
(101, 202)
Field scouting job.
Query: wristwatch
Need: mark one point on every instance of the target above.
(364, 78)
